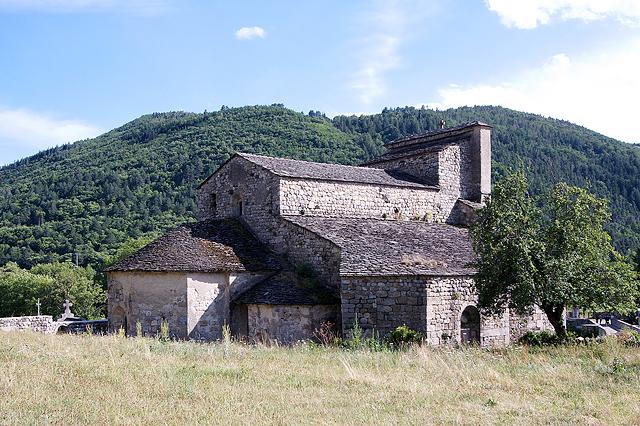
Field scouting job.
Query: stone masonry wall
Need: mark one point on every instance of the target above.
(430, 305)
(344, 199)
(287, 324)
(207, 305)
(381, 304)
(239, 181)
(424, 166)
(148, 297)
(42, 323)
(447, 297)
(352, 200)
(208, 301)
(520, 324)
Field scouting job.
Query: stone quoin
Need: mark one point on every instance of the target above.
(282, 246)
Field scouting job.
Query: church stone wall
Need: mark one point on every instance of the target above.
(239, 181)
(423, 165)
(148, 297)
(431, 305)
(195, 305)
(354, 200)
(448, 297)
(209, 297)
(381, 304)
(303, 247)
(207, 305)
(299, 197)
(287, 324)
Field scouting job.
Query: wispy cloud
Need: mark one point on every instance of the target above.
(140, 7)
(250, 33)
(32, 131)
(597, 89)
(528, 14)
(378, 51)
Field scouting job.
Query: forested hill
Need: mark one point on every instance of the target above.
(91, 196)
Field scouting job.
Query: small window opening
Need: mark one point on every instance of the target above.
(214, 204)
(236, 203)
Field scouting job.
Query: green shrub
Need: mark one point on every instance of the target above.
(539, 338)
(403, 336)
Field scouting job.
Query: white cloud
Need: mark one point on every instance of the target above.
(142, 7)
(249, 33)
(527, 14)
(598, 90)
(32, 131)
(378, 52)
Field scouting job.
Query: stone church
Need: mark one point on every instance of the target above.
(282, 246)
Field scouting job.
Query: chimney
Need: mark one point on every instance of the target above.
(479, 183)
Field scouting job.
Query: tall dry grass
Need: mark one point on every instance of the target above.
(115, 380)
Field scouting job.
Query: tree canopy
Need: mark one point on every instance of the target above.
(51, 284)
(550, 251)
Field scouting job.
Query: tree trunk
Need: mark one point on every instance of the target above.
(554, 314)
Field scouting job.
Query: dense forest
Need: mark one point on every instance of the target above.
(80, 202)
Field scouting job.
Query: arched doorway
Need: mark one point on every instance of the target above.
(470, 326)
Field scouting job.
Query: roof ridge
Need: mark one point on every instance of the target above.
(442, 131)
(245, 154)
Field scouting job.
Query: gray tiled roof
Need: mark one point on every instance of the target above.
(210, 246)
(333, 172)
(379, 247)
(284, 288)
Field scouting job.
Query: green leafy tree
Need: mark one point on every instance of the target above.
(553, 256)
(20, 290)
(51, 283)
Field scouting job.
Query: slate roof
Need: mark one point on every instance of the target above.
(334, 172)
(385, 247)
(284, 288)
(209, 246)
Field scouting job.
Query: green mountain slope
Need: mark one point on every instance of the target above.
(90, 196)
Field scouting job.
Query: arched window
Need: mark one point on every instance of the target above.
(236, 205)
(470, 325)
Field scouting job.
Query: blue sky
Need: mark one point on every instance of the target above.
(71, 69)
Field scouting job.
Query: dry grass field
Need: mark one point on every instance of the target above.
(115, 380)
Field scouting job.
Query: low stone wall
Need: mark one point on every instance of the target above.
(520, 324)
(42, 323)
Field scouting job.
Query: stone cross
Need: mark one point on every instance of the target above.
(38, 304)
(67, 308)
(67, 311)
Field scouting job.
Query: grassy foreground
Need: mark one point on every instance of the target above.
(106, 380)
